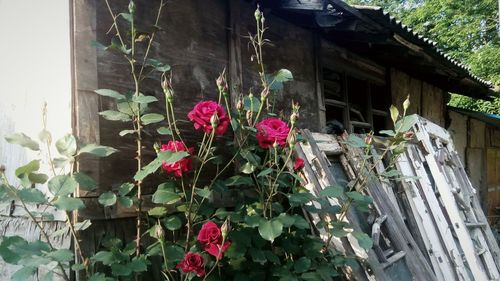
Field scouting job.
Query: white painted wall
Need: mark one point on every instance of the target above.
(35, 67)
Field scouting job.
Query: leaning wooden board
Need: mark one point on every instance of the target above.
(403, 260)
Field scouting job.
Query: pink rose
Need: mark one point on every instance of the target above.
(202, 113)
(272, 130)
(192, 262)
(181, 166)
(298, 164)
(210, 237)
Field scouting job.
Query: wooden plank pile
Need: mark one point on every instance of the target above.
(426, 223)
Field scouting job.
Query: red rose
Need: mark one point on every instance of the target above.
(192, 262)
(210, 237)
(202, 113)
(298, 164)
(181, 166)
(272, 130)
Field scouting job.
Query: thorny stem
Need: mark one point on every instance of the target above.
(42, 230)
(218, 258)
(151, 38)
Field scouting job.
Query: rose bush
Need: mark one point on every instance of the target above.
(202, 117)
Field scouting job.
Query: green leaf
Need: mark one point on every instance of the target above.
(172, 223)
(144, 99)
(172, 157)
(60, 162)
(38, 178)
(126, 132)
(85, 181)
(364, 240)
(110, 93)
(406, 123)
(23, 274)
(204, 193)
(45, 136)
(120, 270)
(105, 257)
(61, 255)
(297, 199)
(151, 118)
(387, 132)
(28, 168)
(66, 145)
(128, 17)
(157, 212)
(311, 276)
(283, 75)
(394, 113)
(113, 115)
(286, 219)
(265, 172)
(138, 265)
(358, 197)
(62, 185)
(356, 141)
(31, 195)
(163, 68)
(22, 140)
(174, 253)
(125, 201)
(335, 191)
(107, 199)
(165, 197)
(100, 277)
(270, 230)
(300, 222)
(164, 131)
(125, 188)
(258, 256)
(69, 203)
(98, 150)
(239, 180)
(302, 265)
(247, 168)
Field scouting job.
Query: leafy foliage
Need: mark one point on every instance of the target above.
(466, 30)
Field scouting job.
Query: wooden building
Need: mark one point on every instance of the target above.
(349, 63)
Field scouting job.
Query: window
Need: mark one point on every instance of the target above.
(359, 104)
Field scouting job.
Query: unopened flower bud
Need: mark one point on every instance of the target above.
(131, 7)
(159, 232)
(408, 135)
(258, 13)
(249, 116)
(294, 117)
(167, 89)
(157, 148)
(214, 120)
(264, 94)
(240, 105)
(225, 228)
(369, 139)
(262, 19)
(406, 103)
(292, 140)
(275, 144)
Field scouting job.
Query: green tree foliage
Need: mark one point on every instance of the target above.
(467, 30)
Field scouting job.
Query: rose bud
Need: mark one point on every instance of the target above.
(249, 116)
(292, 139)
(257, 13)
(369, 139)
(408, 135)
(294, 117)
(264, 94)
(225, 228)
(167, 89)
(406, 103)
(159, 232)
(275, 144)
(214, 120)
(240, 105)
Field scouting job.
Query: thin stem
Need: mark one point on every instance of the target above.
(151, 39)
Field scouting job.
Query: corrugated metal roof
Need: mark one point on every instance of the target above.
(384, 18)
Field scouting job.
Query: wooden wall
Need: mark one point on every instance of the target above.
(426, 100)
(199, 39)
